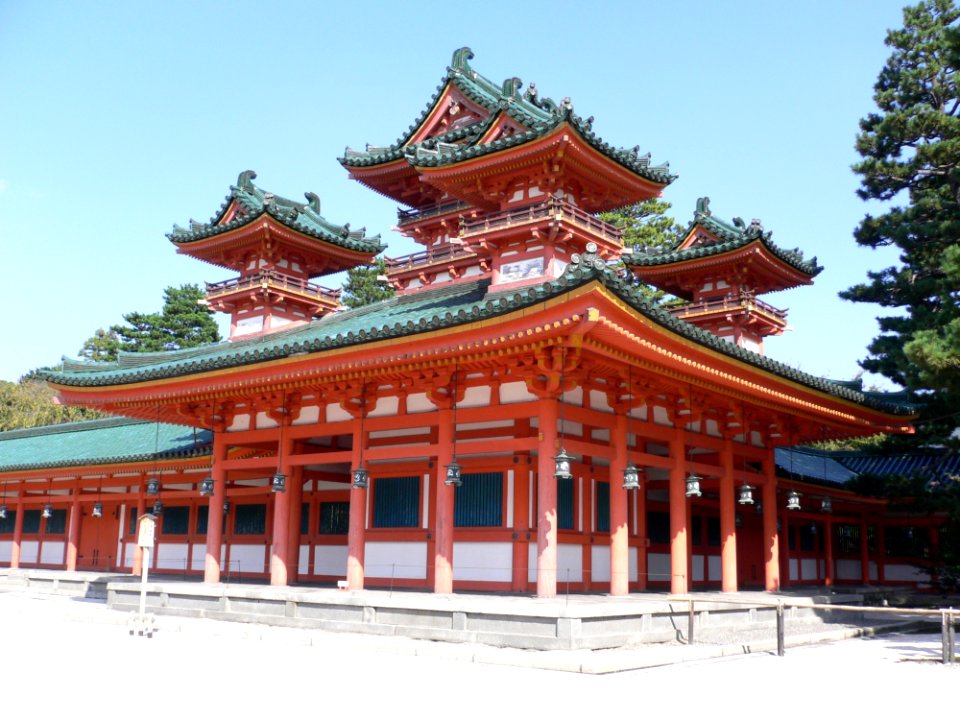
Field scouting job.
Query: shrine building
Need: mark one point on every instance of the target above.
(519, 417)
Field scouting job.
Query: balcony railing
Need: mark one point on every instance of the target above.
(745, 302)
(425, 257)
(552, 208)
(408, 216)
(273, 279)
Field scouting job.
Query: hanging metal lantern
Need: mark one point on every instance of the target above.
(226, 506)
(153, 486)
(453, 474)
(793, 500)
(631, 477)
(206, 487)
(693, 485)
(562, 465)
(826, 504)
(737, 520)
(758, 506)
(97, 510)
(360, 478)
(157, 507)
(278, 483)
(47, 511)
(745, 495)
(3, 512)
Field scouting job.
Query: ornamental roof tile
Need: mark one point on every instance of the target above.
(539, 115)
(430, 310)
(730, 236)
(304, 218)
(96, 442)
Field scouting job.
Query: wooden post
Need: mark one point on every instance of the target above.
(679, 541)
(17, 535)
(771, 538)
(547, 500)
(443, 554)
(73, 532)
(728, 526)
(211, 562)
(356, 539)
(281, 516)
(619, 547)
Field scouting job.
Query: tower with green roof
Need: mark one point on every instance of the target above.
(277, 246)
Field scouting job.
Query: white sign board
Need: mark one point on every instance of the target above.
(146, 529)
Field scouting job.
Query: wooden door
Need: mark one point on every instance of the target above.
(98, 539)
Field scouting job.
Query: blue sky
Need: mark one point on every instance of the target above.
(118, 119)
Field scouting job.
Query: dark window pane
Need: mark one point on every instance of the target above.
(132, 528)
(250, 519)
(176, 520)
(31, 521)
(334, 518)
(603, 507)
(808, 537)
(305, 518)
(8, 524)
(396, 502)
(696, 530)
(848, 539)
(658, 528)
(479, 501)
(907, 542)
(57, 523)
(565, 503)
(713, 531)
(203, 517)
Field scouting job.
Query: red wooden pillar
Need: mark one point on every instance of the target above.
(295, 490)
(619, 545)
(679, 540)
(547, 500)
(137, 566)
(211, 562)
(728, 524)
(17, 536)
(73, 532)
(521, 523)
(443, 554)
(771, 538)
(356, 539)
(828, 569)
(864, 553)
(279, 572)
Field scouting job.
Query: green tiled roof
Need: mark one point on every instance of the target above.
(94, 442)
(303, 217)
(731, 236)
(538, 115)
(428, 310)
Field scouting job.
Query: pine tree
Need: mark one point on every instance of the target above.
(911, 160)
(366, 284)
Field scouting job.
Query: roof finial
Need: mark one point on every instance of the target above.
(511, 87)
(703, 206)
(460, 58)
(314, 200)
(245, 180)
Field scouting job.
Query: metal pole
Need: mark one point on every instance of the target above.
(690, 619)
(780, 628)
(947, 637)
(143, 584)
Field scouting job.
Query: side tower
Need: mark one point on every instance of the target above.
(501, 184)
(277, 246)
(719, 269)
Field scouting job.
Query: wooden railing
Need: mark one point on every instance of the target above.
(408, 216)
(553, 207)
(273, 279)
(728, 303)
(444, 252)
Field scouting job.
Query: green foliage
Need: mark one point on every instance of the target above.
(102, 347)
(911, 156)
(30, 403)
(646, 226)
(870, 443)
(184, 322)
(367, 284)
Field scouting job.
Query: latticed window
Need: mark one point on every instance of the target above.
(848, 539)
(8, 523)
(176, 520)
(334, 518)
(57, 523)
(396, 502)
(565, 503)
(658, 527)
(479, 500)
(203, 515)
(250, 519)
(603, 507)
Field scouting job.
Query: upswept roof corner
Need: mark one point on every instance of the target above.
(302, 217)
(431, 310)
(538, 115)
(730, 236)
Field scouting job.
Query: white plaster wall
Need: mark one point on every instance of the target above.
(491, 562)
(633, 558)
(793, 569)
(198, 556)
(904, 573)
(598, 401)
(658, 567)
(385, 406)
(515, 392)
(407, 560)
(600, 563)
(171, 556)
(265, 421)
(660, 416)
(308, 415)
(569, 564)
(848, 570)
(475, 397)
(335, 413)
(808, 568)
(52, 553)
(697, 569)
(873, 570)
(303, 560)
(330, 560)
(129, 549)
(6, 551)
(240, 422)
(418, 402)
(714, 568)
(247, 558)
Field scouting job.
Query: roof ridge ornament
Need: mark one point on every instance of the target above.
(703, 206)
(313, 200)
(460, 60)
(245, 179)
(511, 88)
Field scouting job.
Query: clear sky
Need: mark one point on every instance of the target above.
(118, 119)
